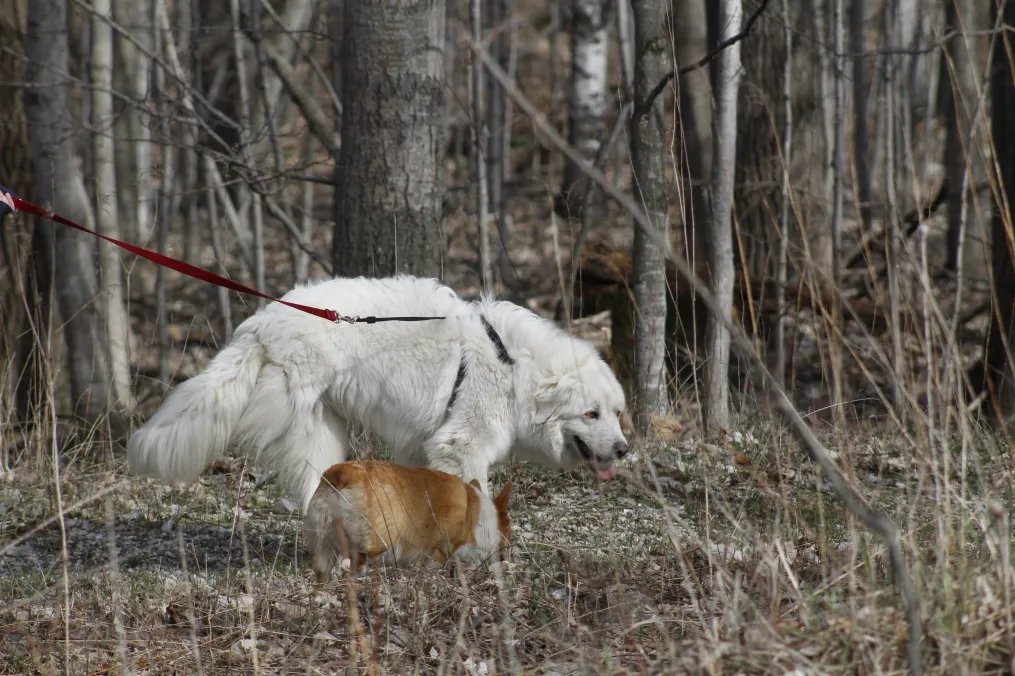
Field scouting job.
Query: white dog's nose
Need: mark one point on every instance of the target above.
(620, 449)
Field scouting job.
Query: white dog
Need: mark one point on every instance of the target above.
(456, 394)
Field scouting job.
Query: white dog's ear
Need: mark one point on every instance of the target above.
(547, 397)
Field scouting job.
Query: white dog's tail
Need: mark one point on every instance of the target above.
(195, 424)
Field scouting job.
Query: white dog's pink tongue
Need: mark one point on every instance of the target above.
(606, 473)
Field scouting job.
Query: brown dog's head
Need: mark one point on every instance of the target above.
(491, 524)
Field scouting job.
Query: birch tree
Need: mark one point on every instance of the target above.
(587, 103)
(694, 141)
(389, 183)
(59, 183)
(956, 76)
(693, 146)
(132, 77)
(838, 170)
(498, 154)
(111, 301)
(652, 64)
(861, 161)
(782, 260)
(480, 147)
(719, 242)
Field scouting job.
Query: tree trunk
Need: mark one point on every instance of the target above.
(648, 151)
(838, 171)
(389, 183)
(782, 260)
(108, 218)
(135, 182)
(719, 242)
(956, 76)
(480, 147)
(892, 173)
(999, 364)
(693, 146)
(819, 240)
(861, 161)
(587, 105)
(498, 149)
(59, 184)
(24, 335)
(246, 148)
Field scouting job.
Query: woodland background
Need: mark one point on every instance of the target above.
(835, 174)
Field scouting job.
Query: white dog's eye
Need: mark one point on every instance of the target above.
(592, 414)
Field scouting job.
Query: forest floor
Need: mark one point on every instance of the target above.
(699, 558)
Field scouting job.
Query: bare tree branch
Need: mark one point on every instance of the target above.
(642, 106)
(316, 119)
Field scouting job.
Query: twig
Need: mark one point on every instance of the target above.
(115, 588)
(297, 237)
(911, 220)
(877, 522)
(644, 106)
(313, 113)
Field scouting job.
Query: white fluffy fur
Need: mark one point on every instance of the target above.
(287, 388)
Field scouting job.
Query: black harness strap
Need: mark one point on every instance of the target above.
(494, 337)
(502, 355)
(459, 379)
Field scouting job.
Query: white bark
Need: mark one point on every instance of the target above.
(167, 180)
(498, 148)
(133, 71)
(782, 269)
(694, 156)
(59, 184)
(819, 239)
(720, 236)
(838, 172)
(246, 148)
(625, 44)
(891, 219)
(957, 89)
(480, 141)
(114, 311)
(587, 100)
(861, 161)
(648, 150)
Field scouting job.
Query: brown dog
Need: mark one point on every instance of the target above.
(365, 509)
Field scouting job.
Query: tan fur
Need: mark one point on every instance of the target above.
(362, 510)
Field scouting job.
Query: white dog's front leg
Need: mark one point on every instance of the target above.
(458, 458)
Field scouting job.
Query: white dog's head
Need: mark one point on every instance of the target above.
(578, 417)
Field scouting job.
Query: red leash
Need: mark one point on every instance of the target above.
(11, 203)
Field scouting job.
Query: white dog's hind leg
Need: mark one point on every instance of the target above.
(319, 446)
(289, 430)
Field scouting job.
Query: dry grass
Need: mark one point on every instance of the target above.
(701, 558)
